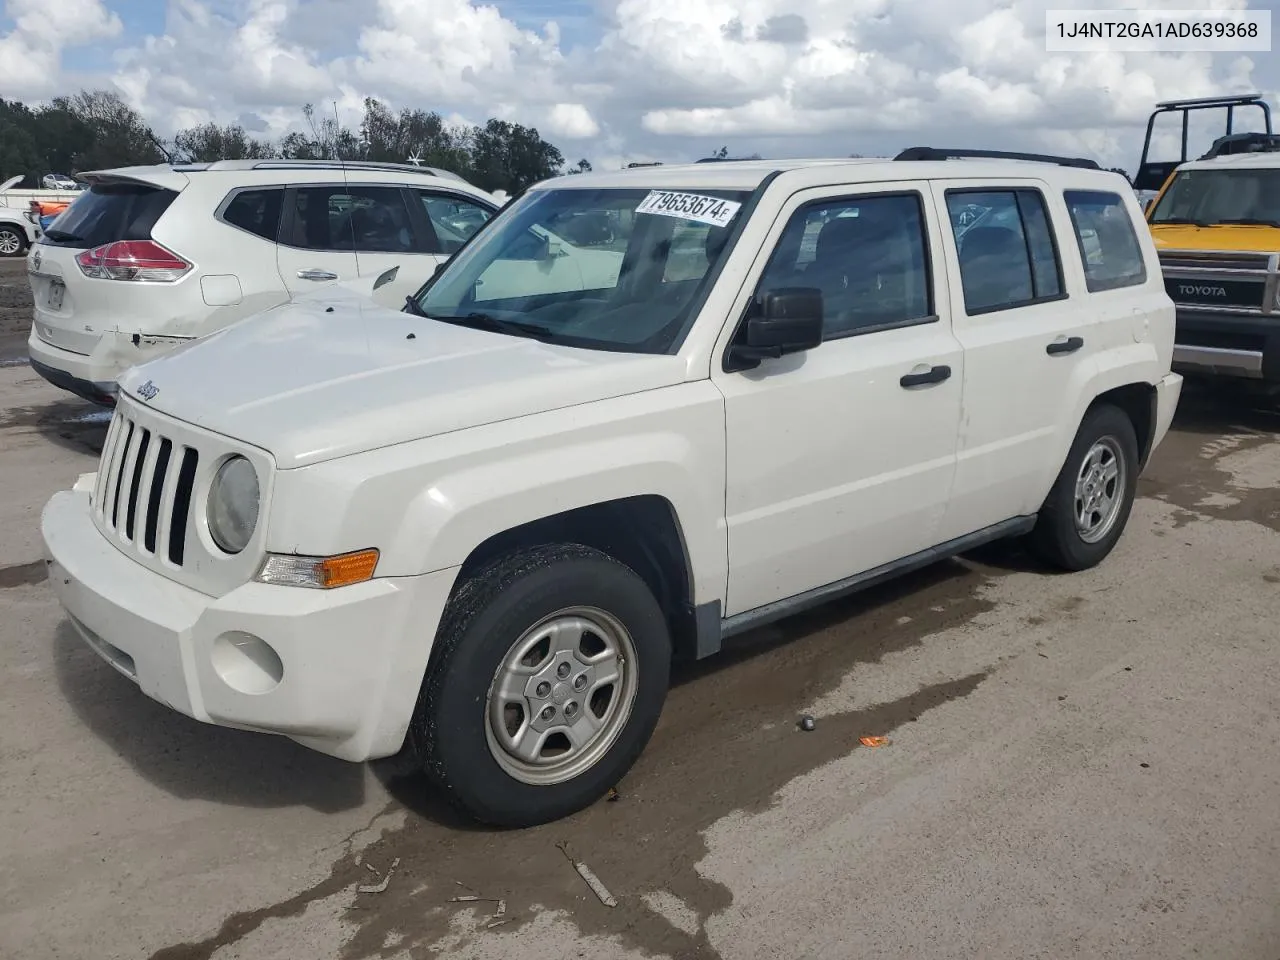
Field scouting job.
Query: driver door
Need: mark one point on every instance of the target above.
(836, 465)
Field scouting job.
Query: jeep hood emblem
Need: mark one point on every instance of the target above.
(148, 390)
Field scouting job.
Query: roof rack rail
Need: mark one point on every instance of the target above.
(1227, 100)
(330, 164)
(1151, 174)
(1252, 142)
(937, 153)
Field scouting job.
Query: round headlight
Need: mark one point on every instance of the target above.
(233, 505)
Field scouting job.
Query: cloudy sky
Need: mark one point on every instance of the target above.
(624, 80)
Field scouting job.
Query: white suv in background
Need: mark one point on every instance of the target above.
(152, 257)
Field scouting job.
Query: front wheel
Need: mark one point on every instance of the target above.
(1089, 504)
(549, 678)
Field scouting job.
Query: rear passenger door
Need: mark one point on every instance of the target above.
(316, 242)
(1027, 340)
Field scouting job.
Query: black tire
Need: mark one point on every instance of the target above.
(9, 231)
(1055, 538)
(487, 615)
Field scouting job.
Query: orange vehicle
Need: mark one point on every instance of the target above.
(1216, 224)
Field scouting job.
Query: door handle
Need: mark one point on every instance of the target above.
(315, 274)
(1069, 345)
(932, 375)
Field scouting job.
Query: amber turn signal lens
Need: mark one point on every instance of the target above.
(347, 569)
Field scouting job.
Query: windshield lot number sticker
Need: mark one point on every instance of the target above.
(689, 206)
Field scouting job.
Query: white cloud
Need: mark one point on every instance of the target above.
(572, 121)
(31, 52)
(661, 79)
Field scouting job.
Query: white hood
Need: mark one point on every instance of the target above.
(308, 385)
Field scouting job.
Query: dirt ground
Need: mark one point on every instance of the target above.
(1077, 766)
(15, 307)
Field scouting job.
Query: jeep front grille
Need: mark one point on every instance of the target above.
(144, 487)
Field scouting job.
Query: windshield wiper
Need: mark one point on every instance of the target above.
(1252, 222)
(483, 321)
(412, 306)
(1195, 223)
(63, 236)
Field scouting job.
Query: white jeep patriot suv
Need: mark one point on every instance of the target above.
(480, 528)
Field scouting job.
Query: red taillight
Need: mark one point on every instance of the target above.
(132, 260)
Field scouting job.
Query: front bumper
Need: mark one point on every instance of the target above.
(338, 671)
(1243, 346)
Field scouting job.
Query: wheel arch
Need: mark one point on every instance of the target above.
(643, 532)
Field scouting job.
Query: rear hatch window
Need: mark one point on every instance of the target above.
(108, 212)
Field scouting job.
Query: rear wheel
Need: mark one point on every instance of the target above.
(549, 676)
(1089, 504)
(13, 242)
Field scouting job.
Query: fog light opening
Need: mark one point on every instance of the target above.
(246, 664)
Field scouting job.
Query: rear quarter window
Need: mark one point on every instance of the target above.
(1108, 243)
(107, 212)
(257, 211)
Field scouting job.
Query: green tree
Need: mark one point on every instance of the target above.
(118, 136)
(511, 157)
(19, 149)
(209, 142)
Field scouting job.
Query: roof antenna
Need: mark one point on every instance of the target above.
(160, 146)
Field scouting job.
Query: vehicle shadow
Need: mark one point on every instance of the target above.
(73, 424)
(1210, 408)
(193, 760)
(780, 667)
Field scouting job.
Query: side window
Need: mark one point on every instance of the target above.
(378, 220)
(869, 257)
(257, 211)
(1108, 245)
(453, 218)
(318, 221)
(1007, 253)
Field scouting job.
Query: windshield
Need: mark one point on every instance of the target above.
(609, 269)
(1209, 197)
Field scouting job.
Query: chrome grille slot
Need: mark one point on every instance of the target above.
(136, 468)
(159, 476)
(182, 505)
(144, 488)
(117, 474)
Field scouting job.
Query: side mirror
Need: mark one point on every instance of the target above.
(786, 320)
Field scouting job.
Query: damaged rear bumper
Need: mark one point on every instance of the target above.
(93, 376)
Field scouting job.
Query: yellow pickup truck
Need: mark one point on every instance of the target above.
(1216, 224)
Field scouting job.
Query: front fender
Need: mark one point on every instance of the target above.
(429, 503)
